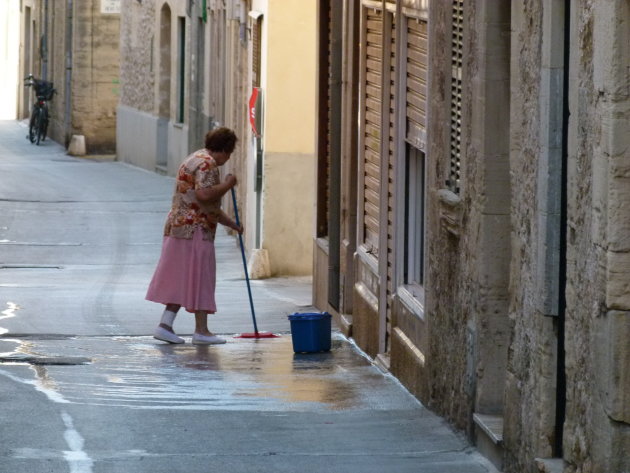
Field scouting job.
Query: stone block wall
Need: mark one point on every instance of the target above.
(57, 26)
(530, 385)
(137, 60)
(597, 431)
(447, 261)
(87, 94)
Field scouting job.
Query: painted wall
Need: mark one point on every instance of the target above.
(289, 141)
(9, 58)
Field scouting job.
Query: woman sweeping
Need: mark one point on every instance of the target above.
(186, 272)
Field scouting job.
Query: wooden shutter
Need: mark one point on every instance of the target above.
(372, 127)
(416, 89)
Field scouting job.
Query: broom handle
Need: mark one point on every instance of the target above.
(240, 239)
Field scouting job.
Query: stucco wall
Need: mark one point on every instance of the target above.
(9, 58)
(289, 136)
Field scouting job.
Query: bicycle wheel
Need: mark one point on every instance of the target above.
(44, 125)
(39, 125)
(32, 126)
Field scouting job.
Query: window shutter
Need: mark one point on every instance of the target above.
(416, 100)
(372, 128)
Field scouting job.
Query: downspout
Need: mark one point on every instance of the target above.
(561, 391)
(68, 78)
(334, 210)
(242, 31)
(44, 43)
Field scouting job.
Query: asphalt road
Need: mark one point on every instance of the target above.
(84, 387)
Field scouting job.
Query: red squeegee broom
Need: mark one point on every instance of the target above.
(256, 333)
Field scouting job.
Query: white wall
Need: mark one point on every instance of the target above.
(9, 57)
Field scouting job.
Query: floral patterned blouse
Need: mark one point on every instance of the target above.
(199, 170)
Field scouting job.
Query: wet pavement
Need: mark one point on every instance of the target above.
(84, 387)
(243, 374)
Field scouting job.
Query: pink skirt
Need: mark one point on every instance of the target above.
(185, 274)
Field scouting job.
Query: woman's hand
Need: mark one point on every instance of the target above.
(230, 180)
(228, 222)
(237, 228)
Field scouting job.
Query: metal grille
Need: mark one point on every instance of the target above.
(256, 54)
(457, 47)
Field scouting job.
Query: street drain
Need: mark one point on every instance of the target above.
(29, 266)
(45, 360)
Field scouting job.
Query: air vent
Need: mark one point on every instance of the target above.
(457, 47)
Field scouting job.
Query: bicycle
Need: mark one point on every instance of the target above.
(38, 124)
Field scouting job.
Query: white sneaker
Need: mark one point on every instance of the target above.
(161, 333)
(199, 339)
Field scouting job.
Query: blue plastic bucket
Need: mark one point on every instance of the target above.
(310, 331)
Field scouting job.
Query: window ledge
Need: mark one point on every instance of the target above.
(367, 256)
(450, 211)
(550, 465)
(383, 362)
(322, 244)
(491, 425)
(411, 302)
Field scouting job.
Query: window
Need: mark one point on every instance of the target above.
(414, 220)
(164, 97)
(181, 83)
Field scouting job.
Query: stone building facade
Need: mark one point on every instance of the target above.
(190, 66)
(470, 230)
(75, 45)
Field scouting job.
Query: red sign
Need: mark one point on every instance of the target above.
(253, 109)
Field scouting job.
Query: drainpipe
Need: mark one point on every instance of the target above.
(334, 209)
(44, 43)
(242, 31)
(561, 382)
(68, 79)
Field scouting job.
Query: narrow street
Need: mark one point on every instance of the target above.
(85, 388)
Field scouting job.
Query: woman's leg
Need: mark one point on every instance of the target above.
(164, 331)
(201, 323)
(168, 316)
(202, 335)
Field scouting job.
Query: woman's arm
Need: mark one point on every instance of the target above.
(214, 193)
(228, 222)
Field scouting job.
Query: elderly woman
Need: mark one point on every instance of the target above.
(186, 273)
